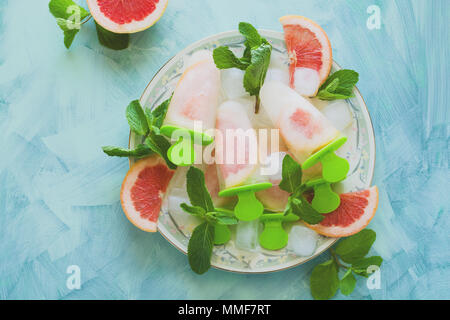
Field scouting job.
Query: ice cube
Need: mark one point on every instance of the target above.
(247, 235)
(277, 74)
(302, 241)
(232, 83)
(338, 114)
(306, 81)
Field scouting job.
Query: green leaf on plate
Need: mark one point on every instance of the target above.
(302, 208)
(140, 151)
(324, 280)
(159, 144)
(339, 85)
(197, 191)
(159, 113)
(355, 247)
(136, 118)
(256, 72)
(200, 247)
(253, 39)
(224, 58)
(193, 210)
(291, 175)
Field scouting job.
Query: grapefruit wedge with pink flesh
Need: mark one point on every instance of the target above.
(353, 214)
(310, 54)
(235, 140)
(128, 16)
(143, 190)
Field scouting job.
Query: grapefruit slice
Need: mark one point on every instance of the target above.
(310, 54)
(354, 214)
(128, 16)
(142, 192)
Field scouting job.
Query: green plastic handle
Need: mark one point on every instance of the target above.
(334, 168)
(248, 207)
(325, 199)
(273, 237)
(222, 234)
(182, 152)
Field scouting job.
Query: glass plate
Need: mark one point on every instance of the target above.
(359, 151)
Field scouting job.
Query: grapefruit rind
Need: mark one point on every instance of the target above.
(125, 194)
(132, 27)
(355, 227)
(327, 54)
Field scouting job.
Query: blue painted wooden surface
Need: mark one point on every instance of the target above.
(59, 194)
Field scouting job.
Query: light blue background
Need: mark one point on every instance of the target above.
(59, 194)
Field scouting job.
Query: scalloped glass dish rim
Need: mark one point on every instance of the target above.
(371, 137)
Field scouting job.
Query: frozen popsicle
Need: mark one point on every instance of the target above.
(237, 160)
(274, 198)
(310, 137)
(192, 110)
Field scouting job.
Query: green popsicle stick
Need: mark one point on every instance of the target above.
(182, 152)
(274, 237)
(222, 234)
(334, 168)
(248, 207)
(325, 199)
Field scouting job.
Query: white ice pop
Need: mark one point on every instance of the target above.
(196, 96)
(236, 146)
(237, 160)
(303, 128)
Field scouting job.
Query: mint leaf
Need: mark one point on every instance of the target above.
(222, 218)
(150, 119)
(141, 151)
(136, 118)
(324, 280)
(111, 40)
(159, 113)
(253, 39)
(255, 74)
(68, 17)
(197, 191)
(347, 283)
(291, 174)
(200, 248)
(355, 247)
(193, 210)
(224, 58)
(302, 208)
(65, 9)
(339, 85)
(360, 266)
(160, 145)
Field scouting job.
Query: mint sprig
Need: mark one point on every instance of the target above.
(324, 280)
(70, 17)
(292, 182)
(204, 235)
(255, 60)
(145, 123)
(339, 85)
